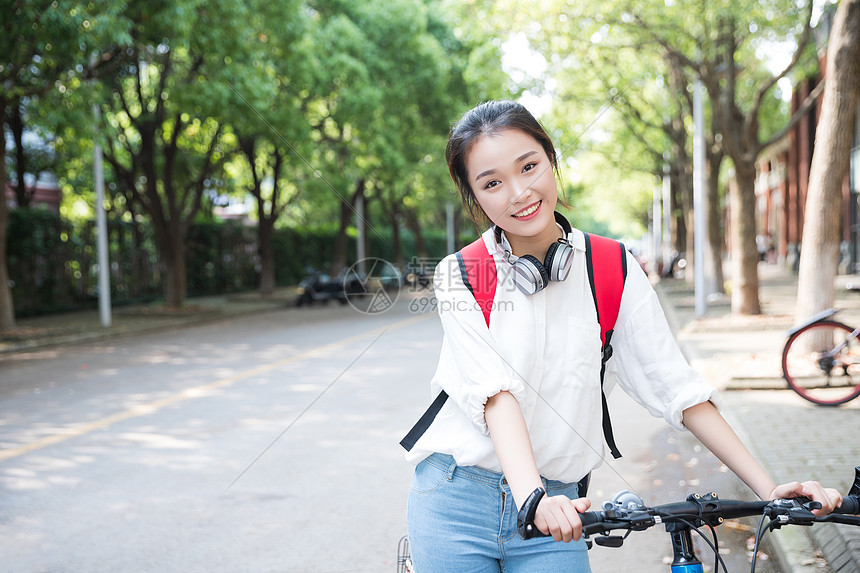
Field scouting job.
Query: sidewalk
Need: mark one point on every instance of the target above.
(793, 439)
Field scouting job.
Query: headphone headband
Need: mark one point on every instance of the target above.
(530, 274)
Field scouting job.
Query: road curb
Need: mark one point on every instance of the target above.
(208, 316)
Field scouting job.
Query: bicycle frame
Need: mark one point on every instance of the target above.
(821, 316)
(838, 348)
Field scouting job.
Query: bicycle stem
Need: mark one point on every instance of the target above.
(684, 556)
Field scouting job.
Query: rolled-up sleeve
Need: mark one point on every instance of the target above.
(650, 366)
(471, 369)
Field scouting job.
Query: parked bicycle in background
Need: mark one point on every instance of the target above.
(821, 360)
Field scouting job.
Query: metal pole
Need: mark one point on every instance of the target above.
(667, 212)
(699, 213)
(101, 229)
(359, 225)
(656, 231)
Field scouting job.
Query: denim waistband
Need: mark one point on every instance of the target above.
(446, 462)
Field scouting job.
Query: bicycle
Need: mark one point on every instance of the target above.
(821, 360)
(627, 512)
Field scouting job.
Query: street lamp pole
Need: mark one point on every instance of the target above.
(700, 221)
(667, 211)
(101, 228)
(656, 229)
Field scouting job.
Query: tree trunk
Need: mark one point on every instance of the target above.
(682, 188)
(715, 216)
(686, 217)
(819, 256)
(745, 254)
(458, 227)
(267, 256)
(175, 281)
(679, 227)
(395, 238)
(347, 211)
(7, 309)
(16, 126)
(265, 220)
(684, 192)
(414, 226)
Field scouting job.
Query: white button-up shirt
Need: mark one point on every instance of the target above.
(545, 350)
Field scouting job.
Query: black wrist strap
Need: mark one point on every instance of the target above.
(526, 515)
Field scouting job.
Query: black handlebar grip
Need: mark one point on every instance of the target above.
(851, 502)
(850, 505)
(590, 518)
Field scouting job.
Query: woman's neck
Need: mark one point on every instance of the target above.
(536, 245)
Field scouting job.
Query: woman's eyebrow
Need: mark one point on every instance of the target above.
(524, 155)
(517, 160)
(487, 172)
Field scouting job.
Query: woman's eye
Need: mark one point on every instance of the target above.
(529, 167)
(491, 184)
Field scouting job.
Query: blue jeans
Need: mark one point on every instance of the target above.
(463, 518)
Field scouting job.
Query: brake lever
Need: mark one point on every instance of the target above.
(796, 511)
(526, 515)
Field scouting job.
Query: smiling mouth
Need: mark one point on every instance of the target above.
(528, 210)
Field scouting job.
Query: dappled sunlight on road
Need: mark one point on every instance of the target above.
(215, 443)
(158, 441)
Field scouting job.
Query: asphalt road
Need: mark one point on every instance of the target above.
(263, 443)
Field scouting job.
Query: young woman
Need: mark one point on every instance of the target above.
(524, 408)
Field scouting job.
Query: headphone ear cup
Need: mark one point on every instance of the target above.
(530, 275)
(558, 259)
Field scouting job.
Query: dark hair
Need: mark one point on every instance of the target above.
(486, 119)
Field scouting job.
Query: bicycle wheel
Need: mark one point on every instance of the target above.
(821, 362)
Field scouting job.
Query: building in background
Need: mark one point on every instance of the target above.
(783, 180)
(43, 192)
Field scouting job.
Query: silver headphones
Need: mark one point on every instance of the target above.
(530, 275)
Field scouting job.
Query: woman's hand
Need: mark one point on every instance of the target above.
(829, 498)
(559, 516)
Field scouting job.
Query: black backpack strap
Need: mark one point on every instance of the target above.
(607, 421)
(424, 422)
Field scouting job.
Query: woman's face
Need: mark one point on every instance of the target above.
(513, 182)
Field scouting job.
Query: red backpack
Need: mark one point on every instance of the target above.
(606, 261)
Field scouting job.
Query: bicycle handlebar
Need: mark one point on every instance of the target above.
(709, 509)
(627, 512)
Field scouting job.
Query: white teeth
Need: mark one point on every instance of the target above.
(528, 211)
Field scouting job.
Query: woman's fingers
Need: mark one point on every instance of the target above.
(572, 515)
(829, 498)
(557, 515)
(582, 504)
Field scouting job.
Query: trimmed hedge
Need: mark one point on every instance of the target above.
(53, 265)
